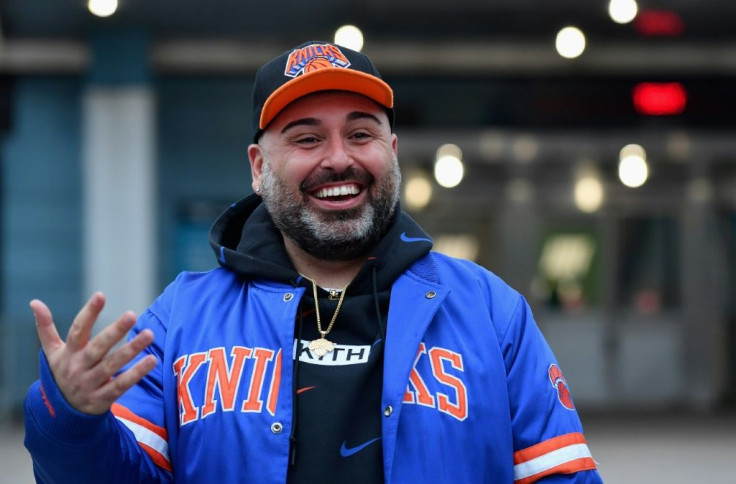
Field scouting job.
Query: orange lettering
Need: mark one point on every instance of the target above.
(189, 412)
(459, 409)
(273, 391)
(226, 380)
(254, 402)
(423, 397)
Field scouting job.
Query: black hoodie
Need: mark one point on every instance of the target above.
(337, 414)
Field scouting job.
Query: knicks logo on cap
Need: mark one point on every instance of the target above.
(313, 57)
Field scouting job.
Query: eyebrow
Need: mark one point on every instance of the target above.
(353, 116)
(363, 115)
(301, 122)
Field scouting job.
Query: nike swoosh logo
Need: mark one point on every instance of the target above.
(406, 238)
(345, 452)
(302, 390)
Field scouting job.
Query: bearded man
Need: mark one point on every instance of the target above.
(331, 346)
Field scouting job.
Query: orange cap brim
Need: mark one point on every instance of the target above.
(328, 79)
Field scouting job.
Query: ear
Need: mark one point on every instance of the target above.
(394, 144)
(255, 156)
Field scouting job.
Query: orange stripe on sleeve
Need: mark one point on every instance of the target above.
(548, 446)
(577, 465)
(565, 454)
(156, 457)
(122, 412)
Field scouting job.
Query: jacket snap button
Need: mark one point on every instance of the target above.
(388, 411)
(276, 427)
(430, 295)
(288, 297)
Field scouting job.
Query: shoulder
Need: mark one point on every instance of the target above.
(463, 278)
(189, 287)
(462, 273)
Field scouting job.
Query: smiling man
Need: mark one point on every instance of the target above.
(331, 346)
(329, 175)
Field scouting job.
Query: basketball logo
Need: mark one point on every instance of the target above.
(314, 57)
(316, 64)
(557, 379)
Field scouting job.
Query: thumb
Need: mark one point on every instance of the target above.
(47, 333)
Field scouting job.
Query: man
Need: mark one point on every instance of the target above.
(331, 346)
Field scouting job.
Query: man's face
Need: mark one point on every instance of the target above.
(328, 173)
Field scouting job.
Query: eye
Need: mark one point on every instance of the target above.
(361, 135)
(306, 140)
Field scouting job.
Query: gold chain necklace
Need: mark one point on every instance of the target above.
(322, 346)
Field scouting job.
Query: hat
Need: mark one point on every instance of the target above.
(312, 67)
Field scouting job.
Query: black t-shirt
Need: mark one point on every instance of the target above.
(338, 410)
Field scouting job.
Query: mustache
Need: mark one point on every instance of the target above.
(352, 174)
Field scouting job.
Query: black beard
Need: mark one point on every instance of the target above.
(312, 231)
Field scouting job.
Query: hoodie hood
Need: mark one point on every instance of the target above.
(246, 241)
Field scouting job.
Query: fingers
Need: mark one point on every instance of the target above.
(96, 349)
(115, 387)
(47, 333)
(112, 363)
(81, 327)
(83, 367)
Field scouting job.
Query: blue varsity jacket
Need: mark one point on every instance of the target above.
(471, 393)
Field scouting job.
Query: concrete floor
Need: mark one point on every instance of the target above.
(672, 449)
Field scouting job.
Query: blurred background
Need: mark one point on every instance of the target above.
(583, 150)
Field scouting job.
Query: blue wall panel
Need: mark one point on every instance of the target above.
(42, 211)
(204, 133)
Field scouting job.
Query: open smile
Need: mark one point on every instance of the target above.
(338, 192)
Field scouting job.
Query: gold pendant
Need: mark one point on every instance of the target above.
(321, 347)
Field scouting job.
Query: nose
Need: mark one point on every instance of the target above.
(337, 156)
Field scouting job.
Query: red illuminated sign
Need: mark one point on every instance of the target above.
(660, 98)
(661, 23)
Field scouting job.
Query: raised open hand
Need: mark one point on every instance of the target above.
(82, 367)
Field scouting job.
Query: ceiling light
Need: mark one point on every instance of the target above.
(633, 171)
(102, 8)
(449, 171)
(623, 11)
(632, 150)
(588, 193)
(417, 192)
(449, 149)
(349, 36)
(464, 246)
(570, 42)
(448, 167)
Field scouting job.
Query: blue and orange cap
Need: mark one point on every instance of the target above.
(313, 67)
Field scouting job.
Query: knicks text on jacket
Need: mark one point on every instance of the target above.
(210, 381)
(445, 390)
(248, 380)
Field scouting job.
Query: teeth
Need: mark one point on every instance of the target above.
(338, 191)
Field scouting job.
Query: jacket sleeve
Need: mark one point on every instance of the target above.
(549, 445)
(70, 446)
